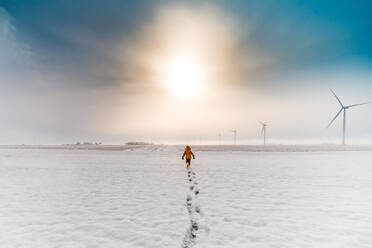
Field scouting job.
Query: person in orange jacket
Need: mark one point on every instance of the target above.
(188, 153)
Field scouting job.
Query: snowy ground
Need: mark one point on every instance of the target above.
(143, 198)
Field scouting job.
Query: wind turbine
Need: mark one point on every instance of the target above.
(343, 109)
(234, 131)
(263, 131)
(219, 138)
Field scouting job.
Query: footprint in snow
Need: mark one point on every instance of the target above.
(194, 212)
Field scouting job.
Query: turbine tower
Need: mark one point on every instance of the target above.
(234, 131)
(219, 138)
(263, 131)
(343, 109)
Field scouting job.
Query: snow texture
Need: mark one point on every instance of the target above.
(143, 198)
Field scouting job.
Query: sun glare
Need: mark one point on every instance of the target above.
(186, 50)
(184, 76)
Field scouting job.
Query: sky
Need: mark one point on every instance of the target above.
(183, 71)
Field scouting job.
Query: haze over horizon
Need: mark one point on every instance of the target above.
(181, 71)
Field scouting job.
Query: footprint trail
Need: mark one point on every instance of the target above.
(193, 209)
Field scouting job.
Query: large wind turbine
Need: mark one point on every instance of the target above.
(343, 109)
(263, 131)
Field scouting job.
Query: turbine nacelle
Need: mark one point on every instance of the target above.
(263, 123)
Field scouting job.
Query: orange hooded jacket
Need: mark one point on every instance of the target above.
(188, 153)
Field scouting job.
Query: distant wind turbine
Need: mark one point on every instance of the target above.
(234, 131)
(343, 108)
(263, 131)
(219, 138)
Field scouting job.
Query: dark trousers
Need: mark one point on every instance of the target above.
(188, 161)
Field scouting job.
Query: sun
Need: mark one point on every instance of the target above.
(184, 76)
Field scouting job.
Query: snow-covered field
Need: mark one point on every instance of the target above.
(143, 198)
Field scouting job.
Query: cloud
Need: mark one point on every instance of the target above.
(36, 102)
(15, 55)
(78, 38)
(87, 70)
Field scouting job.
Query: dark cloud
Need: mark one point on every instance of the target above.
(77, 37)
(82, 37)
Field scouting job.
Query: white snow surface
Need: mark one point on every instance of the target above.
(138, 198)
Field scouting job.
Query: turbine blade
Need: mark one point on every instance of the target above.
(336, 97)
(339, 112)
(262, 130)
(358, 104)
